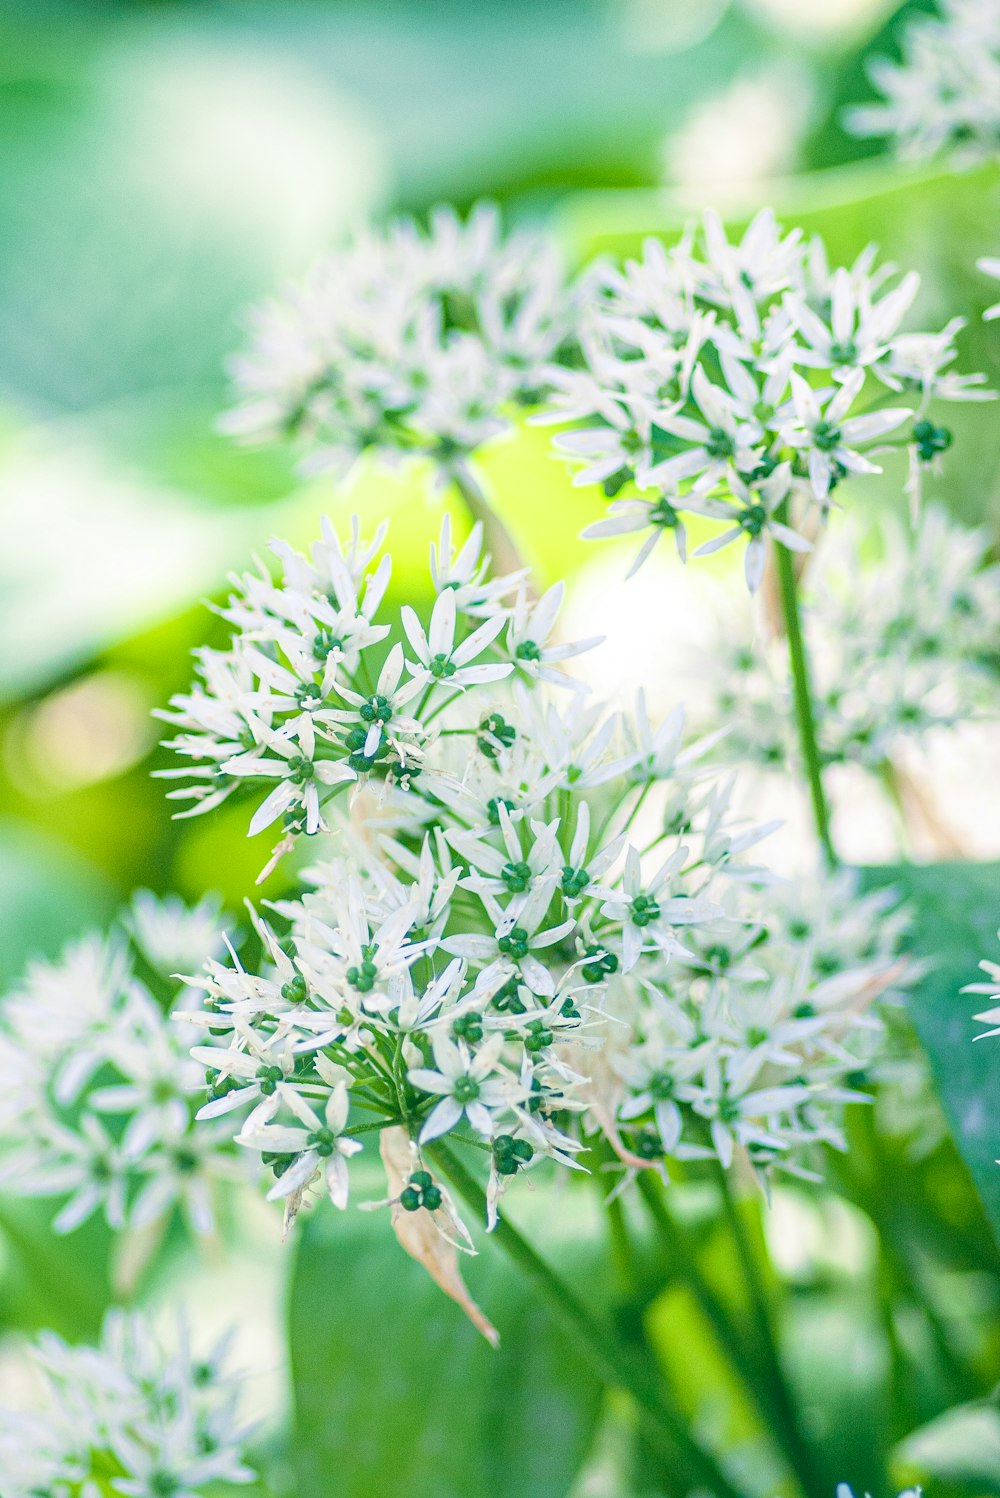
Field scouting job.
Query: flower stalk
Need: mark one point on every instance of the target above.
(804, 716)
(665, 1429)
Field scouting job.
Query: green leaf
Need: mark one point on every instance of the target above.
(397, 1394)
(48, 894)
(957, 911)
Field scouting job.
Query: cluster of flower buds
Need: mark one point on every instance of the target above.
(126, 1417)
(101, 1090)
(744, 381)
(944, 93)
(898, 649)
(487, 947)
(407, 344)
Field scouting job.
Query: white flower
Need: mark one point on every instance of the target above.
(316, 1145)
(293, 762)
(439, 656)
(628, 515)
(721, 438)
(528, 634)
(827, 433)
(406, 343)
(467, 1082)
(945, 93)
(162, 1421)
(860, 329)
(752, 513)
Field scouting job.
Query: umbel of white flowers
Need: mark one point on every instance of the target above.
(899, 648)
(100, 1093)
(406, 344)
(153, 1421)
(744, 381)
(528, 921)
(944, 93)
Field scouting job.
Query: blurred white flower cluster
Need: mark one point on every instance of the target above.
(98, 1106)
(899, 646)
(944, 93)
(492, 950)
(406, 343)
(126, 1417)
(744, 381)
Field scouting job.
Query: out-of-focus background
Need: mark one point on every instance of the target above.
(163, 165)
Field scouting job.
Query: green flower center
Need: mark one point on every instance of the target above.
(826, 436)
(644, 910)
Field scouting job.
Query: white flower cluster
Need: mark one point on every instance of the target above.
(991, 988)
(491, 937)
(125, 1417)
(900, 644)
(295, 705)
(97, 1104)
(944, 93)
(757, 1036)
(744, 381)
(406, 343)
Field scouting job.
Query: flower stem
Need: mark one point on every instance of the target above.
(769, 1394)
(499, 541)
(664, 1427)
(785, 564)
(786, 1410)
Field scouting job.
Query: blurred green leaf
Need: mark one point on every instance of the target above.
(61, 1283)
(956, 913)
(397, 1394)
(48, 894)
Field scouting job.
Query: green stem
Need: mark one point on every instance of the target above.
(785, 564)
(771, 1396)
(788, 1423)
(664, 1427)
(499, 541)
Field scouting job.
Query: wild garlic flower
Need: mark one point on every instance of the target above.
(484, 923)
(991, 988)
(129, 1417)
(944, 93)
(307, 705)
(99, 1103)
(901, 644)
(746, 381)
(756, 1037)
(406, 343)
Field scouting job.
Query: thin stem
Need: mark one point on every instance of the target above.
(787, 1410)
(664, 1428)
(803, 695)
(728, 1334)
(499, 541)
